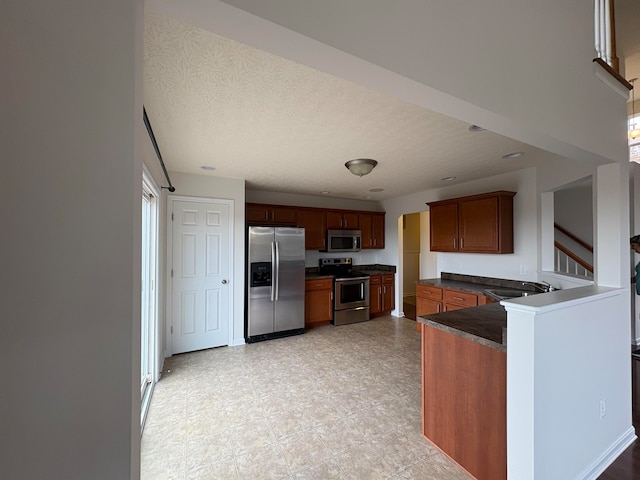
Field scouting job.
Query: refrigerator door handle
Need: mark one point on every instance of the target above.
(274, 271)
(277, 276)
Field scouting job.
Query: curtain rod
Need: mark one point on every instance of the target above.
(171, 188)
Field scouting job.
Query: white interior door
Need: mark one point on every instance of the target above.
(201, 269)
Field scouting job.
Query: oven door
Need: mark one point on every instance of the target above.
(351, 293)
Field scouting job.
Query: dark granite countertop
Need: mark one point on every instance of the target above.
(485, 324)
(317, 276)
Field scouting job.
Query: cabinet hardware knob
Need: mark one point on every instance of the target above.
(224, 282)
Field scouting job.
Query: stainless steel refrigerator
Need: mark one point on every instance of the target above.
(275, 282)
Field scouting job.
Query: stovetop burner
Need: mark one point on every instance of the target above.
(340, 267)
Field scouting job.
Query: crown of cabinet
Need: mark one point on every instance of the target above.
(473, 224)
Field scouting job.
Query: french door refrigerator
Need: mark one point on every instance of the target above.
(275, 282)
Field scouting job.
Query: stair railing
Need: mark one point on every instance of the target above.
(567, 261)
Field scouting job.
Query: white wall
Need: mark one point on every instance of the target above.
(502, 266)
(319, 201)
(563, 350)
(70, 198)
(229, 189)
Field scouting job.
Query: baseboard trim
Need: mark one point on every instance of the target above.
(608, 456)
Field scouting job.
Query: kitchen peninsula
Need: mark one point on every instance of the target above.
(464, 363)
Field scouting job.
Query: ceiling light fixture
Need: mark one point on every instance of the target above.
(207, 167)
(447, 179)
(513, 155)
(361, 166)
(376, 190)
(634, 132)
(476, 128)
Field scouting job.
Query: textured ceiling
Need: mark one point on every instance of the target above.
(285, 127)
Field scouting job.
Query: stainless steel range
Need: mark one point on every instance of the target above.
(350, 291)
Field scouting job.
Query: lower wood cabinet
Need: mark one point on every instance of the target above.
(465, 402)
(381, 294)
(431, 300)
(318, 302)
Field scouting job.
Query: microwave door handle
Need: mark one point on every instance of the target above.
(278, 269)
(274, 271)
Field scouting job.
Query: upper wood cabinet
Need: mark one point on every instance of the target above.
(474, 224)
(315, 227)
(271, 214)
(342, 219)
(316, 222)
(372, 229)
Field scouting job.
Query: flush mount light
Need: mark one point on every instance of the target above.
(367, 197)
(324, 192)
(513, 155)
(375, 190)
(447, 179)
(476, 128)
(361, 166)
(207, 167)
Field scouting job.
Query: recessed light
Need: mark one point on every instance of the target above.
(324, 192)
(207, 167)
(374, 190)
(447, 179)
(367, 197)
(513, 155)
(476, 128)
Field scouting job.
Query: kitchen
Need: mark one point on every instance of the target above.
(564, 103)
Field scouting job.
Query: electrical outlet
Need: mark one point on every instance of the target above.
(523, 270)
(603, 407)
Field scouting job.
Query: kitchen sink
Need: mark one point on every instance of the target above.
(503, 294)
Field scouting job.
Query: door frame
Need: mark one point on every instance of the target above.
(169, 264)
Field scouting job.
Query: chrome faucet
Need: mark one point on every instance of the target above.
(544, 289)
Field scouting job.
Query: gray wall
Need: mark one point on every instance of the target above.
(70, 241)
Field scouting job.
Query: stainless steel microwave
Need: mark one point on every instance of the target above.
(344, 240)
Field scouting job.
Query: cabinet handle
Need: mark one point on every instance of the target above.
(459, 299)
(461, 242)
(439, 308)
(454, 242)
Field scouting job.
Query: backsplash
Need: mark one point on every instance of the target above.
(496, 282)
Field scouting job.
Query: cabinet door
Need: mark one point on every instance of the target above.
(425, 306)
(257, 213)
(334, 219)
(443, 226)
(372, 230)
(284, 215)
(388, 292)
(350, 220)
(366, 230)
(378, 230)
(375, 294)
(318, 306)
(314, 224)
(342, 219)
(479, 224)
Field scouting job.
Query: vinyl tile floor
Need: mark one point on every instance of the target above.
(333, 403)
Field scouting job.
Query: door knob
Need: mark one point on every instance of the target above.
(224, 282)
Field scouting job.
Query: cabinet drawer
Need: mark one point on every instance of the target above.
(319, 284)
(460, 298)
(375, 279)
(388, 278)
(426, 291)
